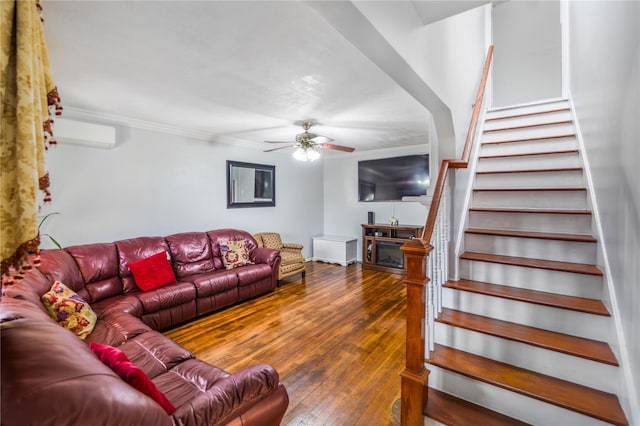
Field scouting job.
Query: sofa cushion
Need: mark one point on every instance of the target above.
(69, 310)
(191, 253)
(135, 249)
(115, 359)
(234, 254)
(98, 264)
(154, 353)
(115, 328)
(152, 272)
(168, 296)
(214, 282)
(251, 274)
(58, 265)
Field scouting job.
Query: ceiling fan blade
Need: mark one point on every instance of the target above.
(321, 139)
(278, 141)
(336, 147)
(281, 147)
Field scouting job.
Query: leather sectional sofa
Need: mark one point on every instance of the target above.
(51, 376)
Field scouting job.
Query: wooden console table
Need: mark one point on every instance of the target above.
(381, 246)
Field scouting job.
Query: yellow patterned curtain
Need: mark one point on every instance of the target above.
(27, 92)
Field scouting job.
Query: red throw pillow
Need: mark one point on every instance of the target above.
(152, 272)
(117, 360)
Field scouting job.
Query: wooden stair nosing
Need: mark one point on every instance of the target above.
(539, 138)
(578, 268)
(580, 238)
(527, 154)
(453, 411)
(528, 126)
(551, 111)
(571, 345)
(561, 301)
(549, 189)
(520, 210)
(563, 169)
(582, 399)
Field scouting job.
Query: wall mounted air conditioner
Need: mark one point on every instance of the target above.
(83, 133)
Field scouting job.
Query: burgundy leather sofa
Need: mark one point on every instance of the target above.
(50, 376)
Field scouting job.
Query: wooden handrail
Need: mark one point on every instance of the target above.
(463, 162)
(415, 376)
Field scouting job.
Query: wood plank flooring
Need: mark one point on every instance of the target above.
(336, 337)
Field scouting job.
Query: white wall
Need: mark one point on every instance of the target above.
(528, 56)
(158, 184)
(605, 85)
(344, 214)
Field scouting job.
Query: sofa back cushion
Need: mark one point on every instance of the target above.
(191, 253)
(99, 267)
(222, 236)
(58, 265)
(135, 249)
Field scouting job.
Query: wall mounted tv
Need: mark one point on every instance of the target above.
(390, 179)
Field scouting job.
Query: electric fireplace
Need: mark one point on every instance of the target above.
(388, 254)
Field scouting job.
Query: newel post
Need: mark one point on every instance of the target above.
(414, 376)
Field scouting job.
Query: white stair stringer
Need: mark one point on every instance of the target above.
(550, 281)
(580, 324)
(535, 248)
(512, 404)
(572, 368)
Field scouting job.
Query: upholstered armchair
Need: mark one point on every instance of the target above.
(292, 259)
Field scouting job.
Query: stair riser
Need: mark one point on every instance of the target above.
(550, 106)
(564, 179)
(567, 283)
(528, 133)
(528, 147)
(512, 404)
(531, 199)
(558, 250)
(588, 326)
(567, 367)
(551, 117)
(541, 222)
(530, 162)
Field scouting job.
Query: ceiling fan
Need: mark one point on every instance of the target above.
(307, 144)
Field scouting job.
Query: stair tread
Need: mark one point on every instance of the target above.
(564, 169)
(566, 151)
(583, 238)
(551, 111)
(577, 346)
(538, 138)
(582, 399)
(579, 268)
(554, 189)
(453, 411)
(528, 126)
(580, 304)
(524, 210)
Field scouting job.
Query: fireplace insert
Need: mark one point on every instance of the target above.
(388, 254)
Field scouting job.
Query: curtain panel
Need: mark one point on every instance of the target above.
(28, 98)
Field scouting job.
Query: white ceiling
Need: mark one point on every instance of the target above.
(233, 72)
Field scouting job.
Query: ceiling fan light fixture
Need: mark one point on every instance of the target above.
(306, 154)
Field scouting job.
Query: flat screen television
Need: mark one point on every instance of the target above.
(390, 179)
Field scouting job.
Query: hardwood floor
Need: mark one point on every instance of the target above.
(336, 337)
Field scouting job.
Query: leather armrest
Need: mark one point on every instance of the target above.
(264, 255)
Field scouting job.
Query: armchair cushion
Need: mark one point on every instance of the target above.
(272, 240)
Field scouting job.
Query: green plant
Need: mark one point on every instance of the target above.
(53, 240)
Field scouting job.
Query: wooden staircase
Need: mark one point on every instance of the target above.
(524, 334)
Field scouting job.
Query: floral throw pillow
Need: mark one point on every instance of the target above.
(69, 310)
(234, 254)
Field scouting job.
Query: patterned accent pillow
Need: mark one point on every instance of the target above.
(117, 361)
(272, 241)
(234, 254)
(69, 310)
